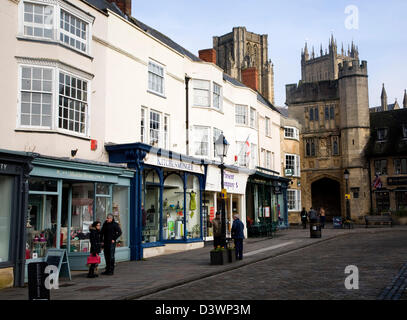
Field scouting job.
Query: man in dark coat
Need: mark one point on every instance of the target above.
(110, 233)
(237, 235)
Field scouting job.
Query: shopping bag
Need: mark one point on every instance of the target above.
(93, 259)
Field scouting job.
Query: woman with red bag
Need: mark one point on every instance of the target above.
(95, 248)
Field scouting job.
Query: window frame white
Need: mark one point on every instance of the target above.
(163, 77)
(58, 5)
(295, 133)
(242, 155)
(219, 95)
(195, 142)
(252, 120)
(160, 124)
(143, 123)
(56, 70)
(268, 126)
(196, 89)
(296, 166)
(296, 199)
(246, 115)
(87, 114)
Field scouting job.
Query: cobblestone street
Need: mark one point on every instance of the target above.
(316, 272)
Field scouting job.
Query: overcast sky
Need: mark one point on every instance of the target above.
(381, 33)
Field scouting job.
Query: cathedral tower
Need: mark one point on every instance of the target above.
(240, 50)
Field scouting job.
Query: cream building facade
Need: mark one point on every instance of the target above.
(86, 80)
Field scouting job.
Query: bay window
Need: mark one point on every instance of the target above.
(56, 21)
(48, 104)
(252, 118)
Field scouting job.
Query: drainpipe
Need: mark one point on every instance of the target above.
(370, 187)
(187, 113)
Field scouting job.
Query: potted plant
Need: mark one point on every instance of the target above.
(219, 256)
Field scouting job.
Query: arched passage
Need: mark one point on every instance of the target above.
(326, 193)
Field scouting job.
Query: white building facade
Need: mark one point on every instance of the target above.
(119, 118)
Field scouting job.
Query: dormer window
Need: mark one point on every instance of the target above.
(382, 134)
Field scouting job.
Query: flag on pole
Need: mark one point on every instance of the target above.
(245, 150)
(377, 183)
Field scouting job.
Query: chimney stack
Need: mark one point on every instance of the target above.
(208, 55)
(124, 6)
(250, 78)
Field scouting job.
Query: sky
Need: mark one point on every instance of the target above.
(377, 27)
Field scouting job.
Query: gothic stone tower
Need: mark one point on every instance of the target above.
(331, 103)
(241, 49)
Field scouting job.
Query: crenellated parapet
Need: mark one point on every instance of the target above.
(352, 68)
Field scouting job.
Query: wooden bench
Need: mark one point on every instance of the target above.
(379, 220)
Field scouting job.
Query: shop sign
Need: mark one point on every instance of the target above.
(396, 181)
(3, 166)
(155, 160)
(233, 182)
(347, 196)
(9, 168)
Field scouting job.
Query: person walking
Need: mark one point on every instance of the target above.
(322, 217)
(237, 235)
(95, 247)
(217, 230)
(110, 233)
(304, 218)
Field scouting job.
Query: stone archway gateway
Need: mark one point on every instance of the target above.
(326, 193)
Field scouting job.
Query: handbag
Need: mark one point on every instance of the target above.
(93, 259)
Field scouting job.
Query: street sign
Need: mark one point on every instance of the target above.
(224, 194)
(347, 196)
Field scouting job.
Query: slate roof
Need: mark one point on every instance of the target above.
(394, 144)
(103, 5)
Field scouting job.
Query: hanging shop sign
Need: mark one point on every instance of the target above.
(234, 182)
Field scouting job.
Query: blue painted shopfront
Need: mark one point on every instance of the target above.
(166, 196)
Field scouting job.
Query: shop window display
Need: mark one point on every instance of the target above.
(193, 209)
(120, 212)
(41, 224)
(6, 194)
(82, 216)
(151, 207)
(173, 205)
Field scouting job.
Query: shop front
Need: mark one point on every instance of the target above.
(14, 170)
(266, 203)
(65, 198)
(235, 180)
(167, 190)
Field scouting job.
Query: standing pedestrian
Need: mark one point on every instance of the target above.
(304, 218)
(237, 235)
(110, 233)
(322, 217)
(95, 247)
(217, 230)
(313, 217)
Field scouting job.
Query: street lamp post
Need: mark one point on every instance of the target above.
(346, 176)
(221, 148)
